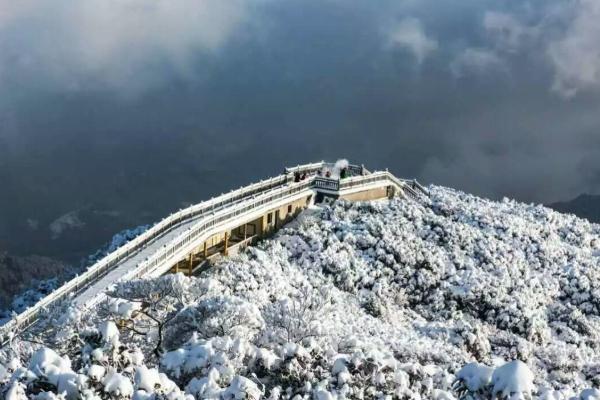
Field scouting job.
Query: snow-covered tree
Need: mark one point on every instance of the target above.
(460, 297)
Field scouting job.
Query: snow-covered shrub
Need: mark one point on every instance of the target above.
(31, 296)
(16, 391)
(109, 332)
(389, 299)
(293, 319)
(118, 385)
(241, 388)
(475, 377)
(146, 307)
(215, 316)
(513, 380)
(590, 394)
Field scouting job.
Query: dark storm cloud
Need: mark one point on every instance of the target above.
(141, 107)
(125, 46)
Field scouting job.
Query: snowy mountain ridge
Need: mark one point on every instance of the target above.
(461, 298)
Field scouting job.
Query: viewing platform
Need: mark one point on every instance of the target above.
(186, 240)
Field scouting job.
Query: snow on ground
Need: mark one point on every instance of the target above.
(462, 298)
(119, 239)
(106, 282)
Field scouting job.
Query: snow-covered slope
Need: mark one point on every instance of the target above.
(390, 299)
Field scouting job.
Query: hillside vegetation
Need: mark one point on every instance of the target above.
(460, 298)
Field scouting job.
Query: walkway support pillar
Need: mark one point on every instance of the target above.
(191, 265)
(205, 250)
(226, 243)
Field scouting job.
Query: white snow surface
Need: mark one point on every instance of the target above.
(460, 298)
(113, 275)
(109, 332)
(513, 378)
(475, 376)
(118, 385)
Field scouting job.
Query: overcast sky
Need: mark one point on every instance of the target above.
(125, 105)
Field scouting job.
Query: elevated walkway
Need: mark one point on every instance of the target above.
(185, 240)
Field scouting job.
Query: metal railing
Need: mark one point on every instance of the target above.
(415, 186)
(314, 168)
(209, 214)
(420, 187)
(356, 169)
(306, 168)
(211, 222)
(381, 176)
(107, 263)
(320, 182)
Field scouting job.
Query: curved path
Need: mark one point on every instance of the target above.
(155, 251)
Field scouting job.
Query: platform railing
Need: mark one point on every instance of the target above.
(320, 182)
(210, 213)
(308, 168)
(420, 187)
(315, 168)
(415, 186)
(356, 169)
(107, 263)
(212, 221)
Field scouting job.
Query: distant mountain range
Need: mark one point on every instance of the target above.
(584, 206)
(21, 273)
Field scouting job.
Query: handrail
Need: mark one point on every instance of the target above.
(318, 166)
(420, 187)
(415, 186)
(305, 167)
(214, 220)
(249, 205)
(99, 269)
(209, 214)
(407, 189)
(326, 183)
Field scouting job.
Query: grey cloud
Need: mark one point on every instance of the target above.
(410, 34)
(126, 45)
(476, 61)
(576, 54)
(566, 35)
(258, 86)
(507, 33)
(505, 28)
(66, 221)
